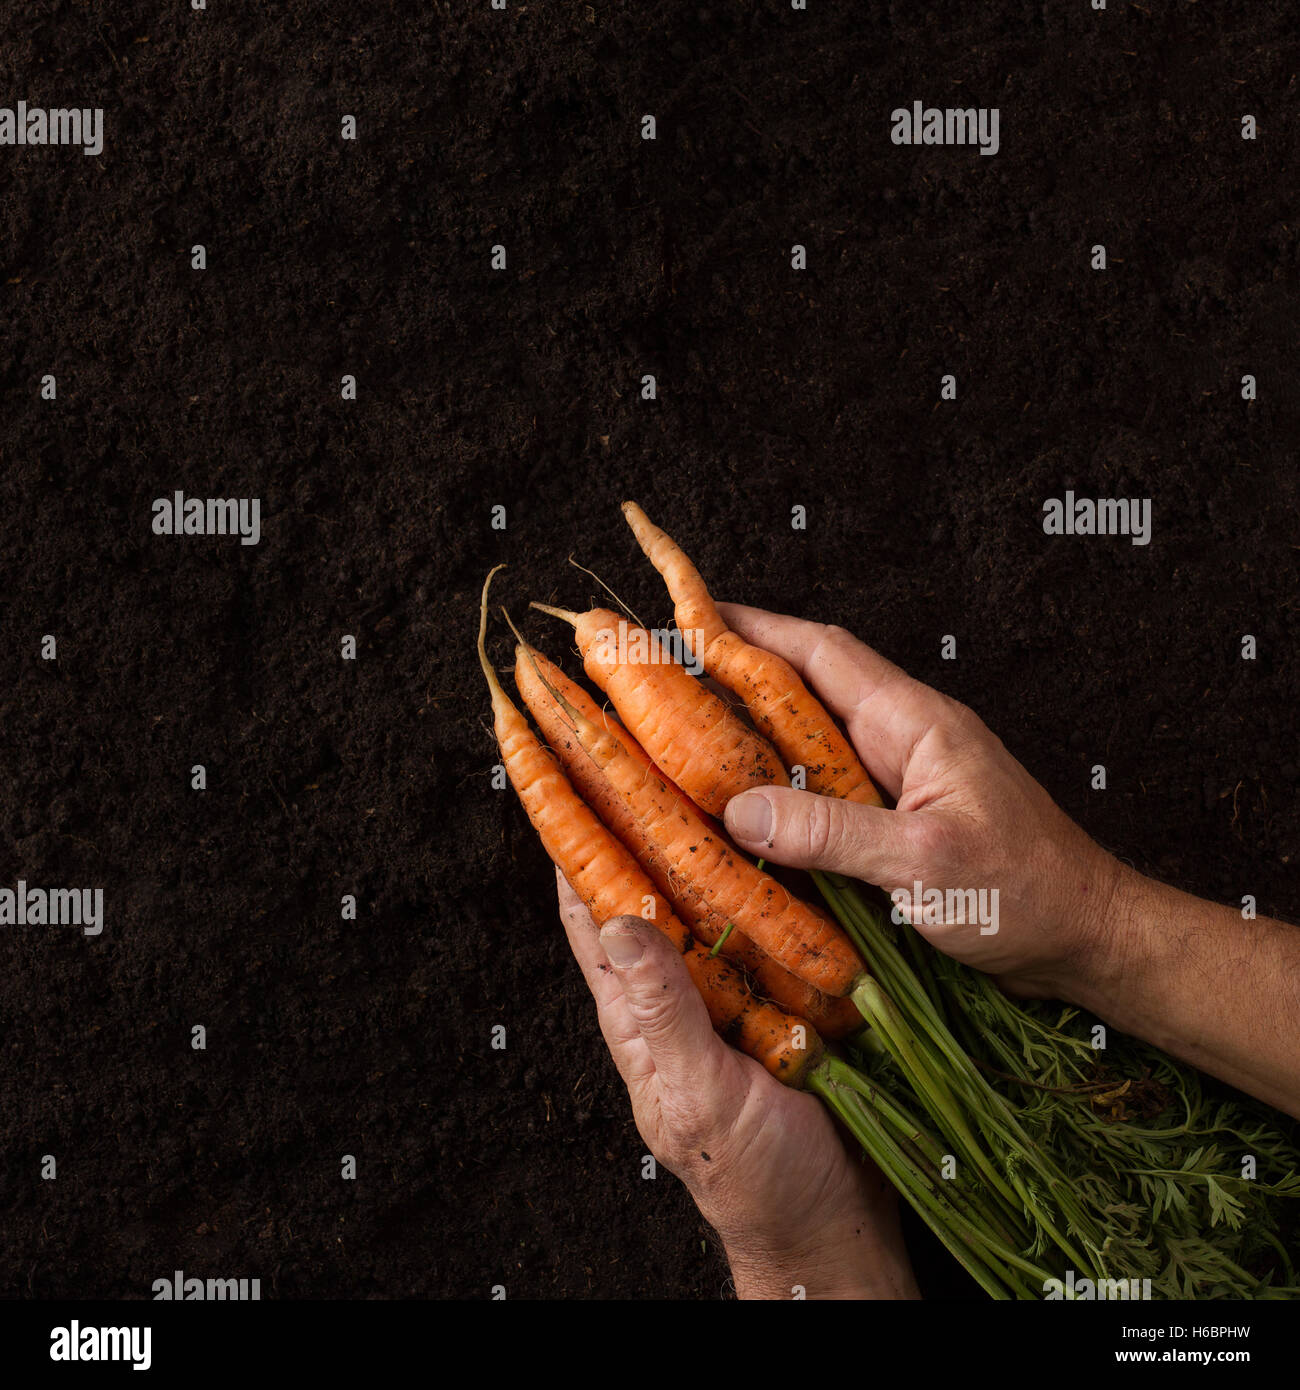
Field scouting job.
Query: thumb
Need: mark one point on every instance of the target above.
(661, 998)
(807, 831)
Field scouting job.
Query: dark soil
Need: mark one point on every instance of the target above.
(522, 387)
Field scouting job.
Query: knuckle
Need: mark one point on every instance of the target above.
(661, 1140)
(653, 1003)
(687, 1126)
(822, 834)
(836, 644)
(964, 725)
(935, 842)
(574, 914)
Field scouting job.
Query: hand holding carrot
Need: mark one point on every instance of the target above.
(1074, 923)
(971, 830)
(968, 817)
(762, 1161)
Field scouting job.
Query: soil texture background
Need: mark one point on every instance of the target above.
(521, 387)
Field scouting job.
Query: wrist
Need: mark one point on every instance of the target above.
(815, 1275)
(836, 1265)
(1112, 948)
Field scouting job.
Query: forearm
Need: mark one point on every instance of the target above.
(1199, 982)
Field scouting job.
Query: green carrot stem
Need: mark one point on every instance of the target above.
(722, 940)
(928, 1035)
(877, 1010)
(937, 1199)
(903, 1176)
(895, 1115)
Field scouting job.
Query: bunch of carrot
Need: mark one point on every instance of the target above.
(626, 809)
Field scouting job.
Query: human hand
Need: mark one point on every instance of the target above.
(968, 817)
(763, 1162)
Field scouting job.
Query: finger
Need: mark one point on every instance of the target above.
(662, 999)
(620, 1030)
(886, 712)
(806, 831)
(584, 941)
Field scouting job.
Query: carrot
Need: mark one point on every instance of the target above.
(612, 884)
(530, 668)
(796, 936)
(696, 738)
(780, 703)
(833, 1018)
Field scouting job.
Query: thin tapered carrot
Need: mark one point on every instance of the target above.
(833, 1018)
(695, 737)
(796, 936)
(530, 666)
(612, 884)
(780, 703)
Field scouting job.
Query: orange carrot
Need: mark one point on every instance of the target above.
(780, 703)
(796, 936)
(696, 738)
(833, 1018)
(611, 883)
(530, 666)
